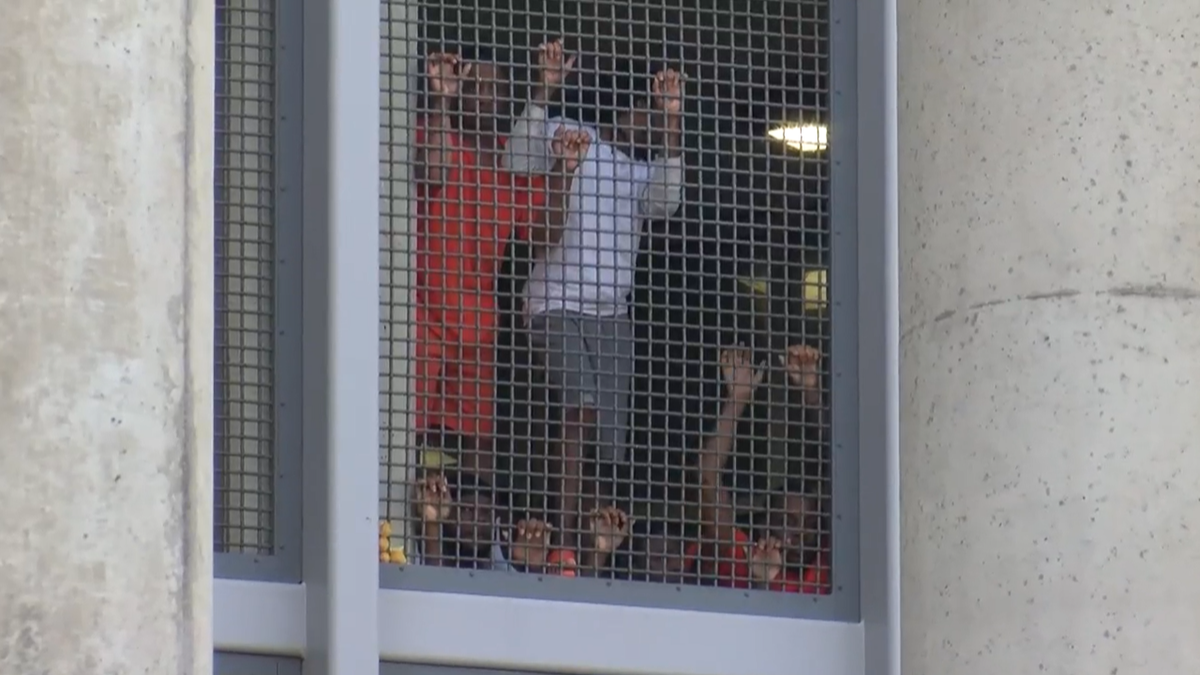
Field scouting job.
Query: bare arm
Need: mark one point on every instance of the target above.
(716, 506)
(528, 150)
(569, 147)
(431, 545)
(434, 152)
(547, 228)
(664, 193)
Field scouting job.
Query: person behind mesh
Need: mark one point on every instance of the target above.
(462, 525)
(577, 296)
(777, 558)
(467, 208)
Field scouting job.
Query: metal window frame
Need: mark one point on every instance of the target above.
(843, 603)
(328, 619)
(284, 563)
(230, 663)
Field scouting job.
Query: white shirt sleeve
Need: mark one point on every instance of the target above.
(664, 192)
(528, 148)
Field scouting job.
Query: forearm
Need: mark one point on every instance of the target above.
(548, 231)
(431, 546)
(673, 136)
(432, 155)
(664, 193)
(719, 444)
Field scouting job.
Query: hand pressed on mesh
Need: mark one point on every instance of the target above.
(801, 363)
(668, 91)
(446, 73)
(553, 64)
(610, 527)
(569, 146)
(433, 499)
(741, 376)
(530, 543)
(766, 560)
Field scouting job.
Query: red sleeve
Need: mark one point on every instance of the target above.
(814, 581)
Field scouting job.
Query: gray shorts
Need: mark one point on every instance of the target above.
(589, 363)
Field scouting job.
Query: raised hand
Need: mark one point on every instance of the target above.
(766, 560)
(801, 363)
(741, 376)
(446, 73)
(433, 499)
(553, 64)
(530, 543)
(609, 526)
(570, 146)
(668, 91)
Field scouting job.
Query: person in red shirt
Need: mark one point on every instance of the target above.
(727, 553)
(467, 209)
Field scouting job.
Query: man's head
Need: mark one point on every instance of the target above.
(628, 111)
(484, 99)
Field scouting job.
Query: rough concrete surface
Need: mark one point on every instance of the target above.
(105, 337)
(1050, 349)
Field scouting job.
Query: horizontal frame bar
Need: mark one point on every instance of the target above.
(227, 663)
(255, 617)
(258, 617)
(566, 637)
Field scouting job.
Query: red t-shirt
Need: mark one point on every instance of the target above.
(732, 568)
(463, 226)
(727, 564)
(814, 580)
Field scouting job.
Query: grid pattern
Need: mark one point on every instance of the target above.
(245, 249)
(604, 276)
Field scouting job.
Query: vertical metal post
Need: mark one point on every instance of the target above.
(879, 336)
(341, 325)
(396, 227)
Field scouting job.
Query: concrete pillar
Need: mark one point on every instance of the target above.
(106, 337)
(1050, 336)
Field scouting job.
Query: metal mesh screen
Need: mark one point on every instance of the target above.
(245, 211)
(606, 323)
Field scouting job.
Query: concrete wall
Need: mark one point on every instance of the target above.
(1050, 349)
(105, 337)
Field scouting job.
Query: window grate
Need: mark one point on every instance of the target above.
(245, 278)
(522, 388)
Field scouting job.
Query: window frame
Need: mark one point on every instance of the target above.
(340, 620)
(284, 563)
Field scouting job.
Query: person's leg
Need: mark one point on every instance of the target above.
(558, 341)
(611, 346)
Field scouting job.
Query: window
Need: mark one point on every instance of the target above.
(572, 392)
(257, 336)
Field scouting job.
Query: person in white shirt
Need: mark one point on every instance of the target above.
(577, 295)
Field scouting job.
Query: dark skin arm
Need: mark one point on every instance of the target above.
(668, 98)
(568, 148)
(672, 135)
(554, 215)
(445, 74)
(716, 505)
